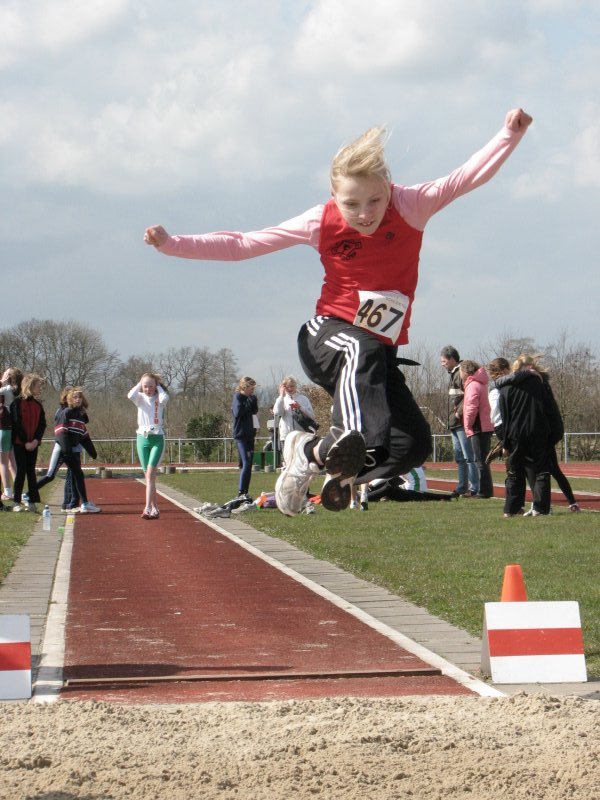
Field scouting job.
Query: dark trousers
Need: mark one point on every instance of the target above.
(246, 451)
(26, 461)
(73, 462)
(560, 477)
(481, 442)
(369, 395)
(531, 464)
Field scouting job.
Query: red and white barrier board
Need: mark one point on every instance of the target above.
(536, 642)
(15, 657)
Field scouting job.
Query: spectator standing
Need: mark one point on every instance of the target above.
(71, 436)
(243, 410)
(28, 425)
(531, 427)
(477, 421)
(10, 387)
(289, 405)
(468, 476)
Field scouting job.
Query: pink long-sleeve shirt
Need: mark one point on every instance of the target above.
(381, 278)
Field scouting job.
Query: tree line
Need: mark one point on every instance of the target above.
(201, 381)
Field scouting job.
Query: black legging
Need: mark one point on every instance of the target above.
(560, 477)
(25, 461)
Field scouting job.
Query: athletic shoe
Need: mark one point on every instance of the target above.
(292, 484)
(218, 513)
(89, 508)
(344, 461)
(205, 507)
(533, 513)
(146, 514)
(309, 508)
(355, 505)
(574, 508)
(155, 513)
(244, 508)
(364, 505)
(19, 507)
(7, 494)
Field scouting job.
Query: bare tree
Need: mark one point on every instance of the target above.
(65, 353)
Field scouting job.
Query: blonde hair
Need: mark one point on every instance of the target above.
(15, 379)
(289, 380)
(28, 381)
(364, 157)
(527, 361)
(68, 396)
(497, 367)
(153, 375)
(246, 383)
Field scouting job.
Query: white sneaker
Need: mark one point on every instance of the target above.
(355, 505)
(344, 461)
(292, 484)
(19, 507)
(533, 513)
(244, 508)
(89, 508)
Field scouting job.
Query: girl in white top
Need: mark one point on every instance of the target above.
(9, 389)
(288, 400)
(150, 397)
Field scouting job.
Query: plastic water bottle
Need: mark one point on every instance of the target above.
(47, 518)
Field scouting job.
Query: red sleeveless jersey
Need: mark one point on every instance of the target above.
(359, 267)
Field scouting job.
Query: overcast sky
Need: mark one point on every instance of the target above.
(119, 114)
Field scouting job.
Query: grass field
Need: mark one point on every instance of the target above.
(446, 557)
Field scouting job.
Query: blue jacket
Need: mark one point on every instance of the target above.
(242, 409)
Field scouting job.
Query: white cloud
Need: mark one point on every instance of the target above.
(52, 25)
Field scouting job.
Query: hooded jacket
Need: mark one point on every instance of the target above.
(476, 404)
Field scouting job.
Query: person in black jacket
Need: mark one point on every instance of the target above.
(532, 425)
(243, 409)
(28, 426)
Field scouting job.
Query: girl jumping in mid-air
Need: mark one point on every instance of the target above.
(369, 238)
(150, 397)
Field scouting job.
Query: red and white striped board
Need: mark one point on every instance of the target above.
(539, 642)
(15, 657)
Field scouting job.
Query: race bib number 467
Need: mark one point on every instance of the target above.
(381, 312)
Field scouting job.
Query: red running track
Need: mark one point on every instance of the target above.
(155, 606)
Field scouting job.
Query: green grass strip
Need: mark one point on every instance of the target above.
(446, 557)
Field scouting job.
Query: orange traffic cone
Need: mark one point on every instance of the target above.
(513, 586)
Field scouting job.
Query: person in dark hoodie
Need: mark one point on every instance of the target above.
(532, 425)
(243, 409)
(28, 426)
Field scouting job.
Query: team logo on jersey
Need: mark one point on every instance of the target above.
(346, 249)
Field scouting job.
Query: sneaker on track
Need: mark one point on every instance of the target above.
(344, 461)
(292, 484)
